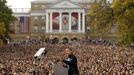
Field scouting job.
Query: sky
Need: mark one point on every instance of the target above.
(19, 3)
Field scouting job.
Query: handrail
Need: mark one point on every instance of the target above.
(21, 10)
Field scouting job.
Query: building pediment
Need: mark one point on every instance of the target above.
(65, 4)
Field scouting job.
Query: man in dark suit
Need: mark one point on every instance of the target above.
(71, 62)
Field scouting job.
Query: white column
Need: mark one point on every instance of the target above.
(83, 22)
(47, 22)
(60, 21)
(51, 22)
(79, 22)
(70, 22)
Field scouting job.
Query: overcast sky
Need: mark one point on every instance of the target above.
(19, 3)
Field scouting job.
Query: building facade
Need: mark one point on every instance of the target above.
(60, 19)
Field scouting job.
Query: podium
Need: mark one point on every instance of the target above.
(59, 69)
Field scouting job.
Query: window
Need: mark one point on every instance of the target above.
(43, 6)
(35, 6)
(43, 28)
(88, 6)
(35, 18)
(42, 17)
(35, 29)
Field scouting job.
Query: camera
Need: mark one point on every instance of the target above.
(40, 53)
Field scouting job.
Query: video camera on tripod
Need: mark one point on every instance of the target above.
(38, 58)
(40, 53)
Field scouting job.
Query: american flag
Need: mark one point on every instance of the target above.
(24, 24)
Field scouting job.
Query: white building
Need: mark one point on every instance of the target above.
(58, 19)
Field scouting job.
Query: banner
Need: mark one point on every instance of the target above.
(65, 22)
(23, 24)
(74, 21)
(55, 21)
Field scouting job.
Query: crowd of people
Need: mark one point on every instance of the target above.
(93, 59)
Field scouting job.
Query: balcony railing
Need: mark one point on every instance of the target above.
(21, 10)
(78, 1)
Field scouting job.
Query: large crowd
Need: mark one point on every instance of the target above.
(93, 59)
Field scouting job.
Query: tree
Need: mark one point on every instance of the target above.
(6, 14)
(2, 31)
(119, 13)
(101, 18)
(2, 28)
(124, 15)
(5, 17)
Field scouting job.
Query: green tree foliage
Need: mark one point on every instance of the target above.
(1, 42)
(2, 31)
(101, 18)
(5, 19)
(2, 28)
(5, 14)
(124, 15)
